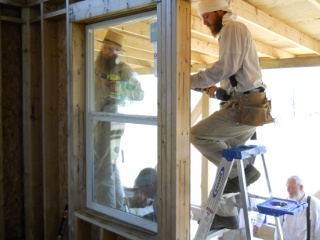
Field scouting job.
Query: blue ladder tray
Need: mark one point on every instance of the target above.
(278, 207)
(243, 152)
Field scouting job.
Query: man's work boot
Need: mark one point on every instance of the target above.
(252, 175)
(220, 222)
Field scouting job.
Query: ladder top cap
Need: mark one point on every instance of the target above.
(243, 152)
(278, 207)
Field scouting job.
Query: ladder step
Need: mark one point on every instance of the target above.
(217, 233)
(243, 152)
(278, 207)
(216, 195)
(229, 195)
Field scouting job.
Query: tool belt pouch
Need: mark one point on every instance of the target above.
(254, 113)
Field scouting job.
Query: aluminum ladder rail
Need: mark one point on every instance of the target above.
(229, 156)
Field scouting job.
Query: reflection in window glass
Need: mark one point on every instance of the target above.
(122, 121)
(114, 80)
(107, 182)
(118, 86)
(125, 175)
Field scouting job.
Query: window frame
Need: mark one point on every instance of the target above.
(91, 115)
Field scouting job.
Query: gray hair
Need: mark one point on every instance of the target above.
(298, 179)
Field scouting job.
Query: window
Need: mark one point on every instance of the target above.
(121, 119)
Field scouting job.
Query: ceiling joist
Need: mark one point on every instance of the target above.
(277, 32)
(253, 15)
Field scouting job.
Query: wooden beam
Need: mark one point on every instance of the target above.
(33, 166)
(2, 225)
(138, 29)
(11, 19)
(140, 54)
(253, 15)
(210, 45)
(204, 48)
(137, 62)
(182, 94)
(50, 125)
(62, 113)
(316, 3)
(82, 229)
(109, 227)
(290, 62)
(88, 10)
(76, 111)
(107, 235)
(197, 58)
(275, 63)
(174, 120)
(130, 43)
(16, 3)
(272, 52)
(56, 15)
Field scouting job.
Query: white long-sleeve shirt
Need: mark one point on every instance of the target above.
(237, 55)
(294, 227)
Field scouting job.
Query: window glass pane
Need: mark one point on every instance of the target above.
(122, 120)
(122, 150)
(123, 70)
(148, 105)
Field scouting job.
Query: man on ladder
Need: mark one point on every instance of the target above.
(239, 74)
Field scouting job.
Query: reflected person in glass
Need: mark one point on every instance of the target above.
(114, 86)
(143, 201)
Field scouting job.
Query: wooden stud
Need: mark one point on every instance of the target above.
(174, 120)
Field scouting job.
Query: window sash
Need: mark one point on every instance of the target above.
(92, 116)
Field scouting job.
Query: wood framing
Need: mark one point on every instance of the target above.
(11, 128)
(2, 229)
(291, 62)
(275, 26)
(32, 133)
(42, 141)
(76, 109)
(109, 229)
(49, 126)
(174, 165)
(174, 120)
(88, 11)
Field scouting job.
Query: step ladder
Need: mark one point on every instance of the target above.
(272, 206)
